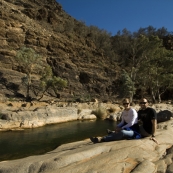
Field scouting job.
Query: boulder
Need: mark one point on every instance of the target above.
(164, 115)
(86, 114)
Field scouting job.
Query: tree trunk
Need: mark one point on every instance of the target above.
(42, 94)
(153, 96)
(131, 98)
(28, 98)
(159, 98)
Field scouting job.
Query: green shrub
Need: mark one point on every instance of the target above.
(59, 28)
(69, 26)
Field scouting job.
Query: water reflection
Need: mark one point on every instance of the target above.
(18, 144)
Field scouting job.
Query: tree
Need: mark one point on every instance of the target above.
(132, 52)
(102, 39)
(48, 80)
(144, 58)
(155, 73)
(127, 87)
(29, 62)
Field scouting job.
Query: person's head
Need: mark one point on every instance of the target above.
(143, 103)
(126, 103)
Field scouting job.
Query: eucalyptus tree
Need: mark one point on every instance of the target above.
(132, 52)
(29, 62)
(161, 32)
(127, 85)
(32, 64)
(156, 72)
(48, 80)
(150, 31)
(138, 53)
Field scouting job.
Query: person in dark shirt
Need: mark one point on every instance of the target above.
(147, 119)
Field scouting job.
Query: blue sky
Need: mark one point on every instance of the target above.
(114, 15)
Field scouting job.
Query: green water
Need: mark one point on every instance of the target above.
(19, 144)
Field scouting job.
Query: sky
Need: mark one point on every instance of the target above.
(115, 15)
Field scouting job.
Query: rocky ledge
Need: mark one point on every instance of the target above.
(17, 116)
(136, 156)
(27, 115)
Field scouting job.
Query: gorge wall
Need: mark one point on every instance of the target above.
(44, 26)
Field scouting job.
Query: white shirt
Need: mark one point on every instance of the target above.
(130, 117)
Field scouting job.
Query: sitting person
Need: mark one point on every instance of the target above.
(147, 119)
(127, 129)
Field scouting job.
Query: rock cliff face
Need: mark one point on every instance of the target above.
(44, 26)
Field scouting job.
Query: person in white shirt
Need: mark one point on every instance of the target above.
(127, 129)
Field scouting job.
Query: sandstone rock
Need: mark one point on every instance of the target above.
(113, 117)
(31, 115)
(161, 166)
(88, 117)
(170, 168)
(137, 156)
(168, 159)
(2, 23)
(41, 116)
(85, 114)
(144, 167)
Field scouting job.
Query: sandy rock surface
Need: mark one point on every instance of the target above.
(21, 115)
(136, 156)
